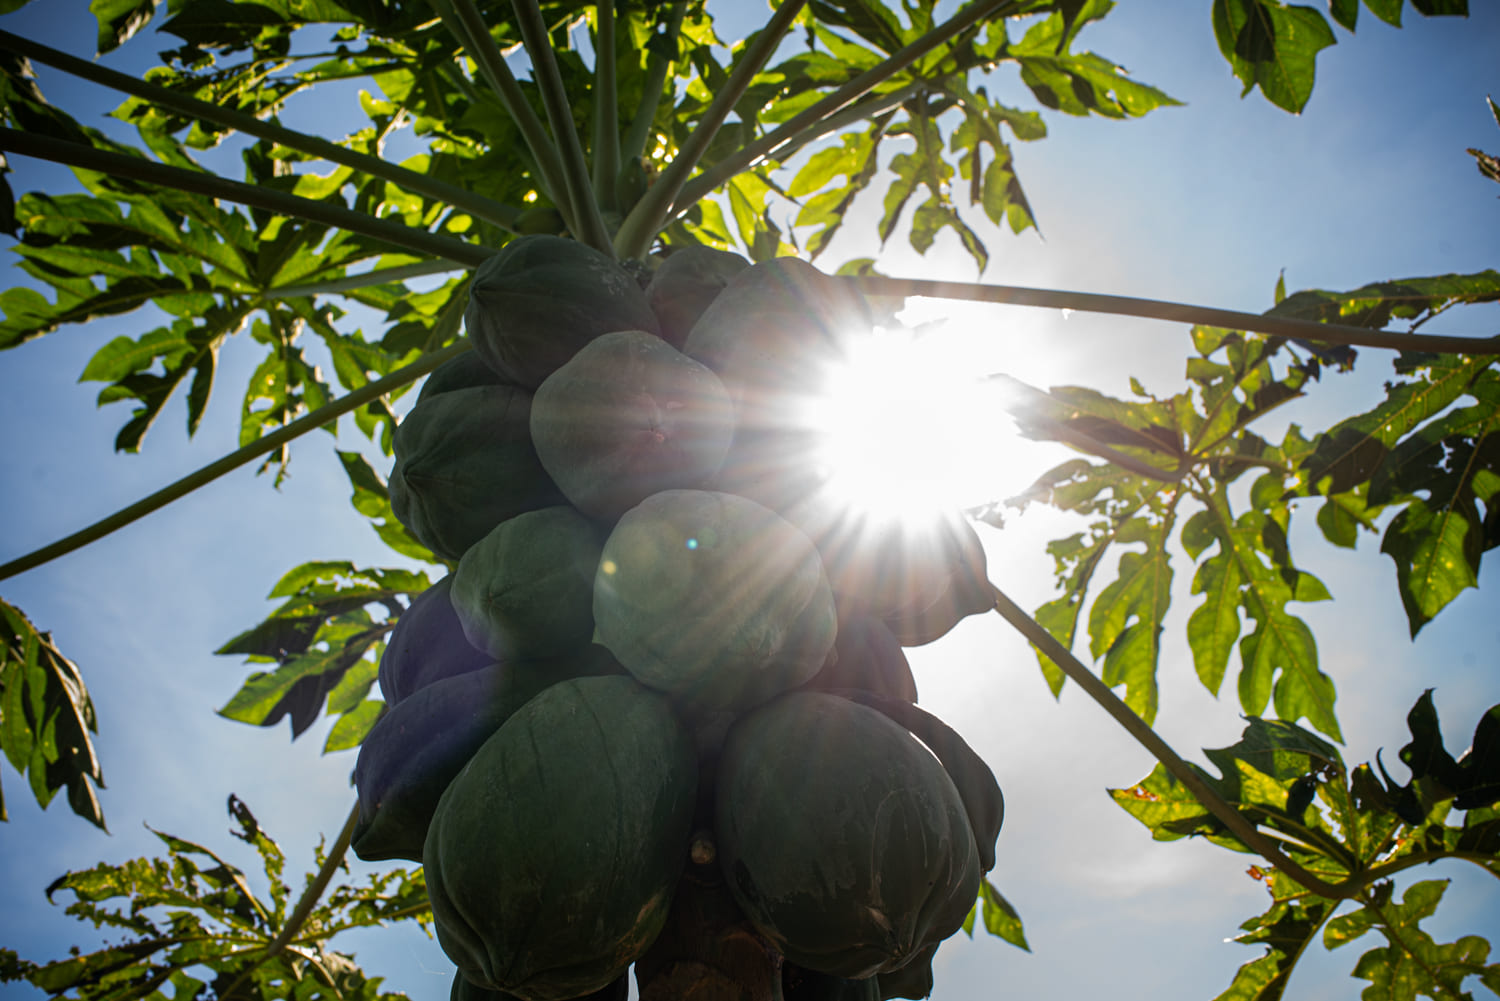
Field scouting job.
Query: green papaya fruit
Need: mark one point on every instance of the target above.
(685, 284)
(841, 836)
(773, 335)
(465, 463)
(427, 645)
(777, 469)
(977, 789)
(626, 417)
(464, 372)
(525, 590)
(888, 565)
(866, 656)
(552, 858)
(966, 590)
(541, 298)
(417, 747)
(713, 599)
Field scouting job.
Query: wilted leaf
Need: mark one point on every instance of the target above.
(46, 716)
(194, 911)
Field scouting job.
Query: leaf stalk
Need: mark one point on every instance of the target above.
(365, 279)
(201, 183)
(588, 225)
(865, 109)
(648, 215)
(467, 25)
(487, 209)
(606, 107)
(1177, 312)
(235, 459)
(1162, 751)
(794, 128)
(305, 904)
(656, 78)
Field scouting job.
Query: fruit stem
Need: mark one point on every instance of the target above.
(467, 25)
(793, 129)
(1155, 309)
(235, 459)
(646, 218)
(1163, 752)
(708, 948)
(476, 205)
(588, 225)
(203, 183)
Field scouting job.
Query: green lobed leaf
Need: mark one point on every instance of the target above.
(1251, 570)
(1260, 774)
(1285, 929)
(119, 20)
(1125, 624)
(1079, 84)
(1171, 812)
(1377, 304)
(1214, 625)
(1149, 429)
(1388, 11)
(1342, 516)
(1273, 46)
(1353, 450)
(372, 499)
(1341, 823)
(324, 641)
(1000, 918)
(352, 728)
(1437, 543)
(187, 351)
(1412, 962)
(299, 688)
(1120, 498)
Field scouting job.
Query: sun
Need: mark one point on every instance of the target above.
(906, 426)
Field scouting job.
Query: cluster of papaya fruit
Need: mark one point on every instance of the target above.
(665, 646)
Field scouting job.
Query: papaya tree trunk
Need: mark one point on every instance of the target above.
(708, 951)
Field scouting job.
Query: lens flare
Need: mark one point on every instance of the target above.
(902, 422)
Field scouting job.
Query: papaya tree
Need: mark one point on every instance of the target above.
(588, 227)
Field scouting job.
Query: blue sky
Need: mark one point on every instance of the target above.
(1205, 203)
